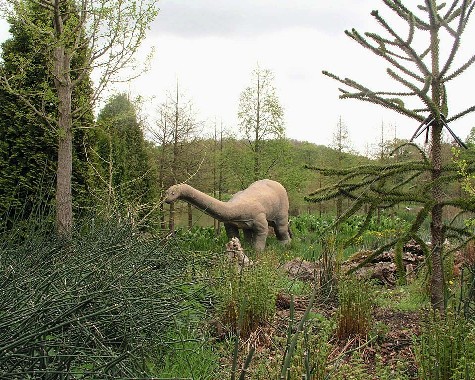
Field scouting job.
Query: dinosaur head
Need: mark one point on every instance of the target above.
(172, 194)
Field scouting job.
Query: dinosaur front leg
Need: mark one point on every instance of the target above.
(231, 230)
(282, 232)
(260, 230)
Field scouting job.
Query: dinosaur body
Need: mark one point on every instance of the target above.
(264, 203)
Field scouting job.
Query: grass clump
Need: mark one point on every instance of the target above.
(445, 349)
(185, 354)
(246, 297)
(353, 316)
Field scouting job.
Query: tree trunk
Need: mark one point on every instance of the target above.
(62, 80)
(257, 131)
(437, 234)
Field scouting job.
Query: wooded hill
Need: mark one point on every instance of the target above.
(118, 172)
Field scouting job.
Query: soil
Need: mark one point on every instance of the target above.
(392, 348)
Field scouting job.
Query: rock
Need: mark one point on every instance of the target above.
(301, 269)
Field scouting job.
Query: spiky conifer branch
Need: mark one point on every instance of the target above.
(388, 48)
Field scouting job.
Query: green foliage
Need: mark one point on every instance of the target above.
(246, 298)
(356, 299)
(310, 356)
(261, 118)
(185, 355)
(89, 309)
(28, 148)
(411, 297)
(352, 234)
(354, 369)
(123, 180)
(200, 239)
(445, 349)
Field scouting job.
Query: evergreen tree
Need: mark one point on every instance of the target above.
(106, 35)
(423, 75)
(120, 162)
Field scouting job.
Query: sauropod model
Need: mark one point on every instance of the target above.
(264, 203)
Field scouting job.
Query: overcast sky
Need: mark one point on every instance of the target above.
(211, 48)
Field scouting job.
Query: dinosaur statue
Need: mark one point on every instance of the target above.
(264, 203)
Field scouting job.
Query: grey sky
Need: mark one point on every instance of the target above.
(211, 47)
(197, 18)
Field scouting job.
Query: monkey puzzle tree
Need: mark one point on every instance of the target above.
(421, 72)
(107, 33)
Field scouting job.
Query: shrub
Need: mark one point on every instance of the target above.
(88, 309)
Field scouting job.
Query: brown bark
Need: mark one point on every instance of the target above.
(62, 80)
(437, 235)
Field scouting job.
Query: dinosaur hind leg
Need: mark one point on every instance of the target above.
(260, 230)
(282, 232)
(248, 235)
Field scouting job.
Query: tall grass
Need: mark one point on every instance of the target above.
(445, 349)
(356, 299)
(88, 309)
(246, 298)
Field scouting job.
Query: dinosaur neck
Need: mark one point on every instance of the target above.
(209, 205)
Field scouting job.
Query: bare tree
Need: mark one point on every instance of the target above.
(260, 114)
(108, 34)
(341, 143)
(421, 72)
(174, 132)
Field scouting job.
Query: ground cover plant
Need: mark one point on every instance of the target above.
(91, 308)
(117, 303)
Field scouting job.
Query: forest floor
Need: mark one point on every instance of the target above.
(387, 349)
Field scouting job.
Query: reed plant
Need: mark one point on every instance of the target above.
(246, 297)
(356, 300)
(88, 308)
